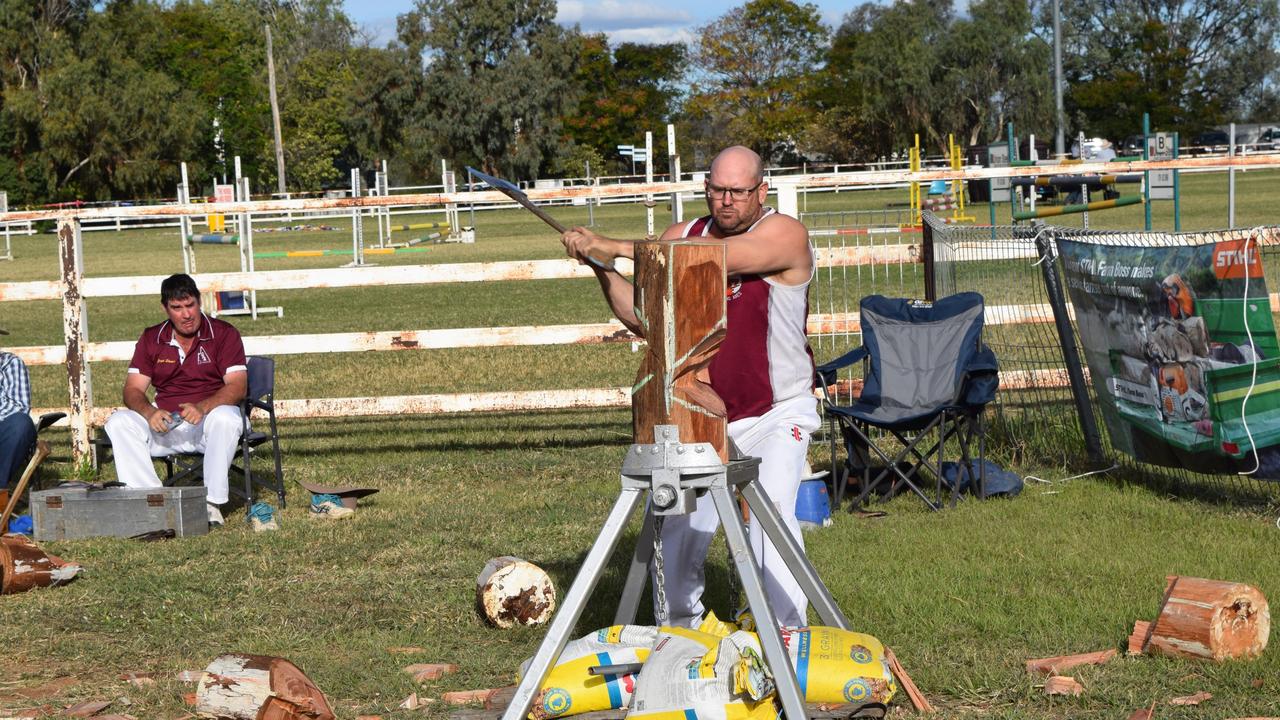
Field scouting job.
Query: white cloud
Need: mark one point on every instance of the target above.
(651, 36)
(617, 15)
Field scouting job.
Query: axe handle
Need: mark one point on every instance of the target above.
(42, 451)
(603, 264)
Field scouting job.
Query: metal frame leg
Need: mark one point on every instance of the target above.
(775, 652)
(771, 523)
(574, 602)
(637, 575)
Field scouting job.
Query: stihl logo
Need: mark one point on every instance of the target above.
(1232, 259)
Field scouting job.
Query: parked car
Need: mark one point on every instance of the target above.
(1210, 141)
(1132, 145)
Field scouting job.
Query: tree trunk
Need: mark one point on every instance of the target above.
(511, 591)
(259, 687)
(1210, 619)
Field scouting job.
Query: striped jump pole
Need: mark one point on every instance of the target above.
(326, 253)
(1075, 180)
(1051, 211)
(421, 226)
(215, 239)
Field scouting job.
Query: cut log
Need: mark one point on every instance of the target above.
(1138, 638)
(259, 687)
(1211, 619)
(511, 591)
(1062, 685)
(1055, 665)
(23, 566)
(680, 303)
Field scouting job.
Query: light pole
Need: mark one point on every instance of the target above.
(1058, 143)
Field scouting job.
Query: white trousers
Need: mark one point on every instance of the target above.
(133, 444)
(780, 438)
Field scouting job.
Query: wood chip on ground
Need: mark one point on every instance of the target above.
(1055, 665)
(1062, 685)
(1191, 699)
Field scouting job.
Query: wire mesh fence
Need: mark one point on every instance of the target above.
(1036, 417)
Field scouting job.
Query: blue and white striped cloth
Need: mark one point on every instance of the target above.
(15, 386)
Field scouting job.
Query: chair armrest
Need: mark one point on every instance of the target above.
(980, 379)
(826, 372)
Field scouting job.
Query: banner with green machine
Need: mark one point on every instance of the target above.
(1181, 348)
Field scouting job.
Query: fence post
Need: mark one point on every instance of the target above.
(75, 329)
(926, 255)
(1047, 250)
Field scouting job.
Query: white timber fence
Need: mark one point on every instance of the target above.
(78, 351)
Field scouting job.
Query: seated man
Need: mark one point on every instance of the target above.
(197, 366)
(17, 432)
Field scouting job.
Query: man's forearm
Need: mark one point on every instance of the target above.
(620, 295)
(227, 395)
(136, 400)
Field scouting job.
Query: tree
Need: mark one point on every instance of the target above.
(755, 61)
(1190, 64)
(623, 93)
(498, 82)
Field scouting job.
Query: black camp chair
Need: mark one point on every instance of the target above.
(186, 467)
(925, 369)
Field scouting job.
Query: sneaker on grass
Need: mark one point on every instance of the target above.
(263, 517)
(215, 515)
(329, 507)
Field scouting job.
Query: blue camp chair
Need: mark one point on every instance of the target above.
(925, 368)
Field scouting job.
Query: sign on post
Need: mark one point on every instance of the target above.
(998, 156)
(1161, 182)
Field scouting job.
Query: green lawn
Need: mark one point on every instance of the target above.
(964, 596)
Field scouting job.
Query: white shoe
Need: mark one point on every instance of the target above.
(215, 515)
(329, 509)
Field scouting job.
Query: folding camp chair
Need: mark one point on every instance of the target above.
(925, 369)
(185, 467)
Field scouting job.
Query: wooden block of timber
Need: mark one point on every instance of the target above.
(1062, 685)
(1211, 619)
(511, 591)
(1138, 638)
(1055, 665)
(259, 687)
(422, 672)
(918, 700)
(680, 304)
(465, 697)
(24, 565)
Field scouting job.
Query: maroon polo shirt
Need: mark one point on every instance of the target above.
(216, 351)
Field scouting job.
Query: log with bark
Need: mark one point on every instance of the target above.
(23, 566)
(1209, 619)
(680, 304)
(259, 687)
(511, 591)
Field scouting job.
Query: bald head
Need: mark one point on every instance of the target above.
(739, 162)
(736, 189)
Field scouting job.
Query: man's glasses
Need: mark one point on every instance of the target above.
(735, 194)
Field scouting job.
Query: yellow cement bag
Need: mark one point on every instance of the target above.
(839, 666)
(707, 674)
(571, 690)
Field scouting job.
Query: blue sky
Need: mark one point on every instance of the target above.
(622, 20)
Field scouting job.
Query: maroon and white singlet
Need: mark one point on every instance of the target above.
(765, 357)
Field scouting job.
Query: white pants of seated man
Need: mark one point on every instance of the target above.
(134, 443)
(780, 438)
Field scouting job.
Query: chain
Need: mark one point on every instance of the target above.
(659, 579)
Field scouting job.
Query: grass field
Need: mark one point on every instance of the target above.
(964, 596)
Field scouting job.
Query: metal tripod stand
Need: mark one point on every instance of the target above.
(675, 474)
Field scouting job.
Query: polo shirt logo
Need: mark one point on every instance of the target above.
(202, 358)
